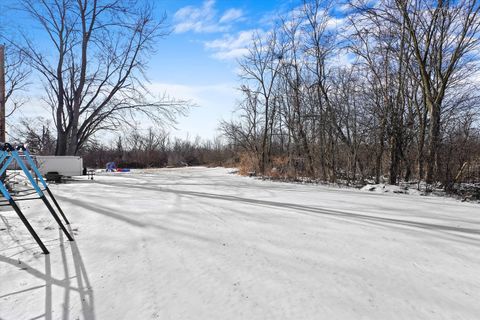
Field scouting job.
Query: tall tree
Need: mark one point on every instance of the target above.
(260, 68)
(443, 37)
(94, 64)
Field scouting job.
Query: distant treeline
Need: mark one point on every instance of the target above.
(155, 149)
(151, 148)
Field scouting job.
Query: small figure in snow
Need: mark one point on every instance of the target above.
(111, 167)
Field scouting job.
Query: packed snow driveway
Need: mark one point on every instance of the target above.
(201, 243)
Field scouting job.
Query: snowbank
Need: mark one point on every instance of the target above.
(387, 188)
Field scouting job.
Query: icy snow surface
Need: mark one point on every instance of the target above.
(198, 243)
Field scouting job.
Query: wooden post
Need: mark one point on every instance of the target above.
(2, 93)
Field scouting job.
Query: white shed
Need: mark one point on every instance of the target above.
(64, 165)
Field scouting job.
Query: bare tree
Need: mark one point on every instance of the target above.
(443, 37)
(94, 68)
(407, 100)
(319, 45)
(292, 73)
(261, 67)
(381, 45)
(16, 79)
(37, 134)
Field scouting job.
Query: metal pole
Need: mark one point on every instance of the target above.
(15, 207)
(2, 100)
(30, 161)
(57, 205)
(15, 155)
(27, 224)
(2, 93)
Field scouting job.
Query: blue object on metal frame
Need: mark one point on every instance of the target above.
(11, 201)
(12, 153)
(34, 167)
(4, 190)
(29, 176)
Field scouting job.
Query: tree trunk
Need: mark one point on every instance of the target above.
(61, 148)
(421, 146)
(434, 132)
(306, 149)
(73, 142)
(378, 160)
(394, 160)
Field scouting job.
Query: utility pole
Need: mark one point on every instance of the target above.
(2, 100)
(2, 93)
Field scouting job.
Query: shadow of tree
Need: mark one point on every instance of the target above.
(135, 222)
(10, 233)
(83, 287)
(470, 234)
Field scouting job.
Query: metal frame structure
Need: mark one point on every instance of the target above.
(8, 154)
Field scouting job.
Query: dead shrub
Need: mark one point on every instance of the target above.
(280, 167)
(248, 163)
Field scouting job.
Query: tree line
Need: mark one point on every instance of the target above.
(390, 95)
(134, 148)
(381, 91)
(157, 149)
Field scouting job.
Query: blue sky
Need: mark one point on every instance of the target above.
(197, 61)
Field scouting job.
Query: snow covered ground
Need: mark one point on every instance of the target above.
(198, 243)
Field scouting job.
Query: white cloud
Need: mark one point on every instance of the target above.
(231, 15)
(232, 46)
(191, 12)
(241, 39)
(231, 54)
(344, 8)
(342, 59)
(205, 18)
(335, 23)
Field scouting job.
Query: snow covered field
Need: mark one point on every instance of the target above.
(198, 243)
